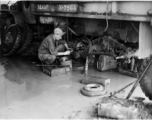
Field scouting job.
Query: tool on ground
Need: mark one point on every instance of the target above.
(114, 93)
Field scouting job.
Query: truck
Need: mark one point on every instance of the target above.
(120, 30)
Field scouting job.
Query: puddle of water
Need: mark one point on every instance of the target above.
(32, 94)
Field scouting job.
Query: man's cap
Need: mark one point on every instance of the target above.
(58, 31)
(62, 24)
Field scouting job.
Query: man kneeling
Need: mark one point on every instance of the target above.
(52, 46)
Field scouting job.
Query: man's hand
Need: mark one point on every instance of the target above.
(64, 53)
(67, 52)
(70, 49)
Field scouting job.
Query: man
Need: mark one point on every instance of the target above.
(52, 46)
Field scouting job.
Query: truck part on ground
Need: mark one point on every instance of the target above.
(118, 108)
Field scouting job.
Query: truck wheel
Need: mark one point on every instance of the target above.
(11, 40)
(24, 32)
(27, 37)
(146, 82)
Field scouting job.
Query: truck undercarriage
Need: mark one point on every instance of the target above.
(113, 35)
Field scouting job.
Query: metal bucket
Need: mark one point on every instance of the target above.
(66, 61)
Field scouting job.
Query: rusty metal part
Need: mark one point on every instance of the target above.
(118, 108)
(106, 45)
(83, 48)
(140, 78)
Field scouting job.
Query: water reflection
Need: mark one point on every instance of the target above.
(22, 78)
(17, 69)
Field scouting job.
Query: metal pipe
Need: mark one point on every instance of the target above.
(132, 63)
(86, 65)
(122, 89)
(140, 78)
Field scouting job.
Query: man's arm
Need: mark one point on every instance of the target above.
(66, 46)
(64, 53)
(60, 53)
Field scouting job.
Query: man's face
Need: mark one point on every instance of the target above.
(58, 36)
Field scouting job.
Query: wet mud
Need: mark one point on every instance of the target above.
(26, 92)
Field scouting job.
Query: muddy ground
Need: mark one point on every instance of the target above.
(27, 93)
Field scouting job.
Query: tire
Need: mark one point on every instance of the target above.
(27, 37)
(12, 39)
(146, 82)
(93, 90)
(24, 32)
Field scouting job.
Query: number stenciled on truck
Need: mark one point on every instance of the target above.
(67, 8)
(43, 7)
(46, 20)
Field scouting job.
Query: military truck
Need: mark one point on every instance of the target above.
(121, 29)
